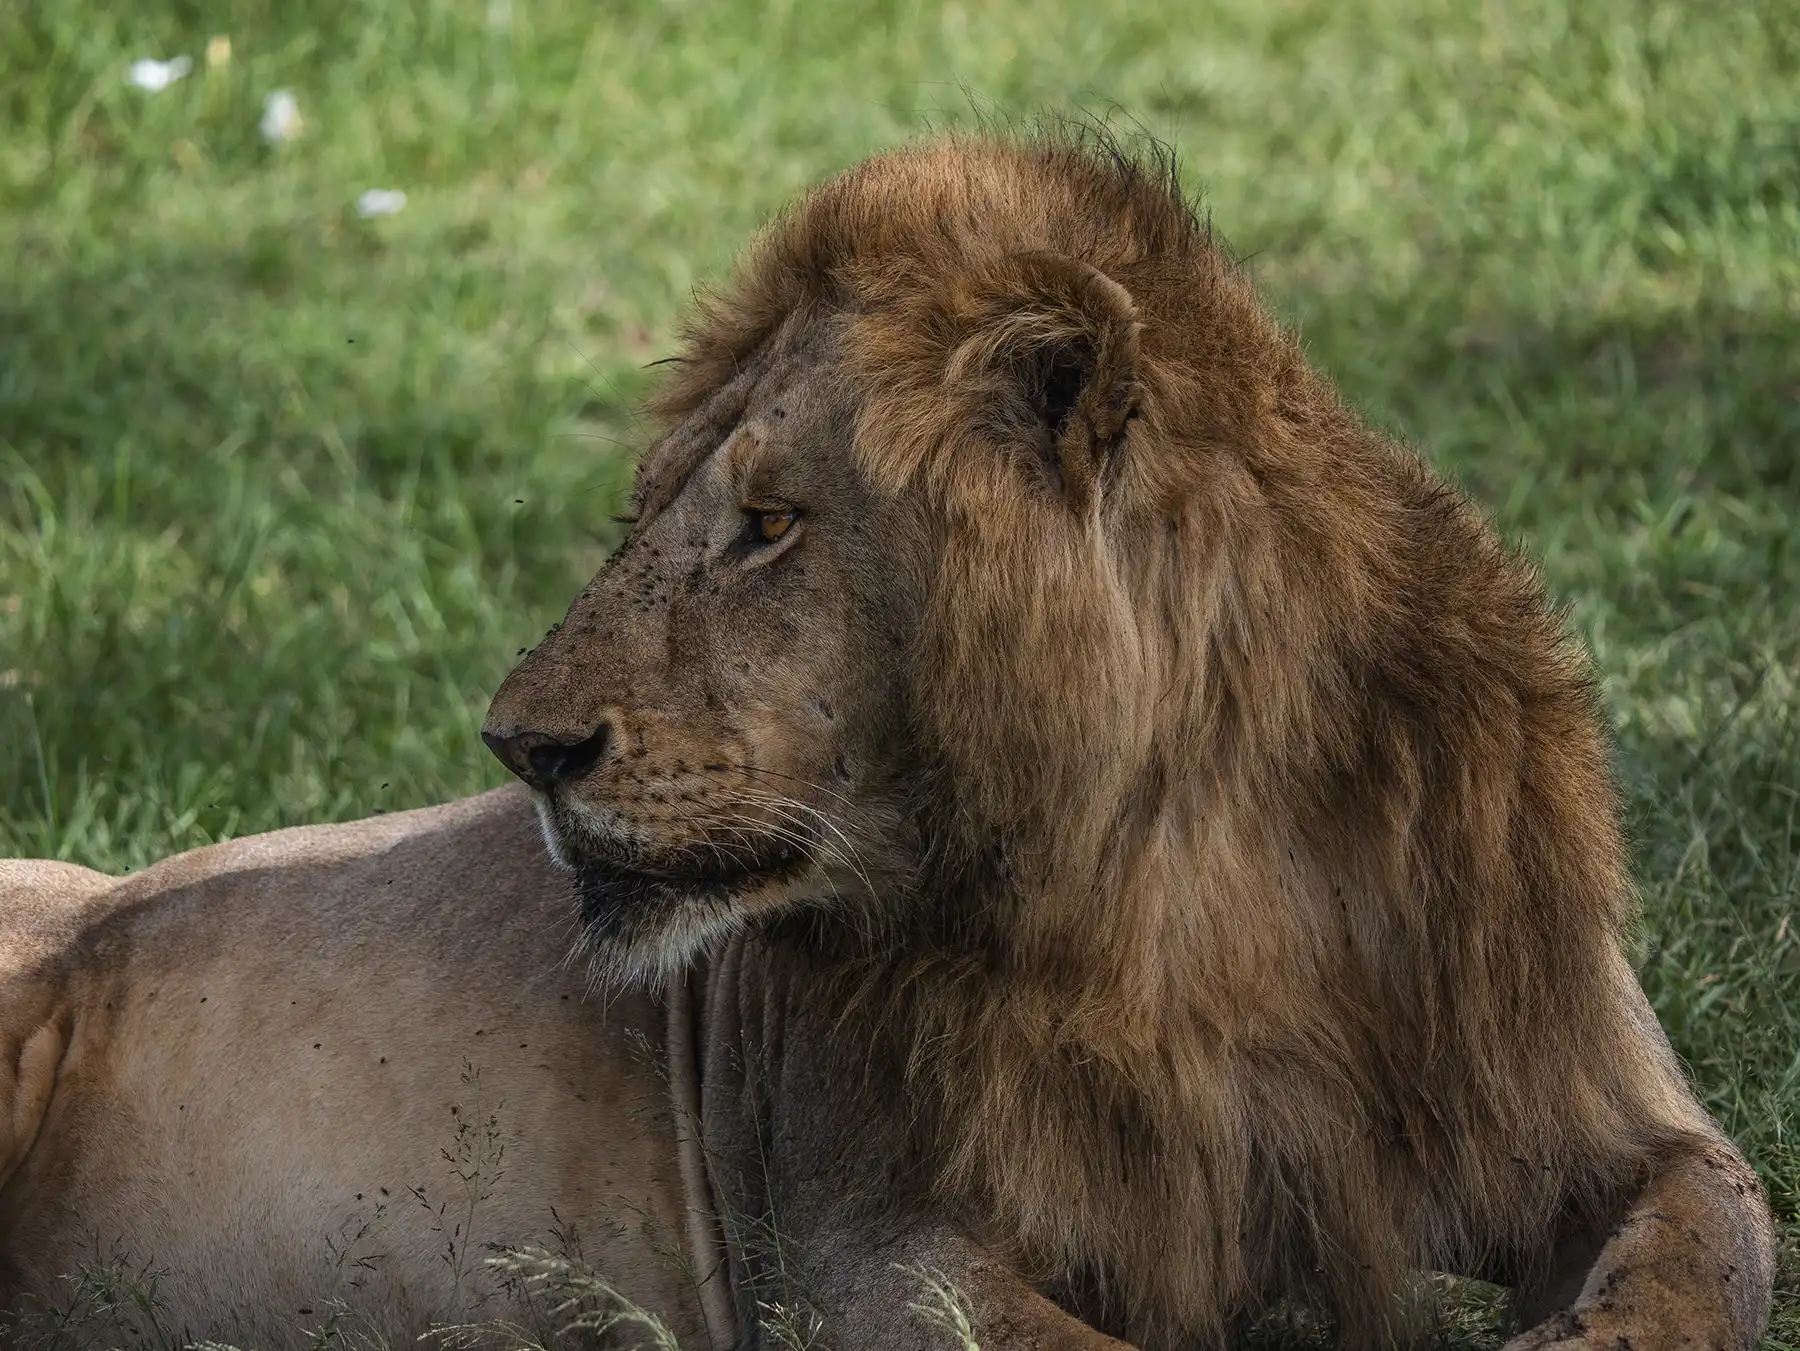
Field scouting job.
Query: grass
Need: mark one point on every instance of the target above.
(283, 491)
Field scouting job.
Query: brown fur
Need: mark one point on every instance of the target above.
(1237, 872)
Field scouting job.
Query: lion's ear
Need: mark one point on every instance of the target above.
(1055, 346)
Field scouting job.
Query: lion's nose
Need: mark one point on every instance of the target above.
(543, 760)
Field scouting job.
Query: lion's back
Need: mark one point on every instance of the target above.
(331, 1064)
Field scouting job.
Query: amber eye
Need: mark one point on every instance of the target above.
(765, 527)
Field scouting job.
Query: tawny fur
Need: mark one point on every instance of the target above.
(223, 1078)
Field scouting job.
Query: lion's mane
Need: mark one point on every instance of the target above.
(1270, 932)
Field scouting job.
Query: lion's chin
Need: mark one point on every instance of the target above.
(642, 928)
(648, 913)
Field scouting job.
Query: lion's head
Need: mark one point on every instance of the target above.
(890, 584)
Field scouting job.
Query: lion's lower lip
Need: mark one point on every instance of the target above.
(726, 872)
(608, 889)
(696, 883)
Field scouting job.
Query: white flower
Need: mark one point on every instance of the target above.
(380, 202)
(281, 119)
(155, 76)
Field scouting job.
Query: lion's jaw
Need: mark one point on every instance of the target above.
(642, 920)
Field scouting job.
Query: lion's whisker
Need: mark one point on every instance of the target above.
(811, 784)
(849, 855)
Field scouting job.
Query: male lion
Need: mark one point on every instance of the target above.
(1117, 832)
(1119, 812)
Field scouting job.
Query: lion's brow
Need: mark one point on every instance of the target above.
(716, 426)
(741, 451)
(667, 470)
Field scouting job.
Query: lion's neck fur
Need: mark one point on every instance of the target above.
(1278, 936)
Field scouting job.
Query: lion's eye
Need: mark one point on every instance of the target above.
(765, 527)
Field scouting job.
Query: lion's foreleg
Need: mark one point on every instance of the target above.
(1690, 1264)
(929, 1285)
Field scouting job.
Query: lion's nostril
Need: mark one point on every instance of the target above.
(553, 762)
(543, 760)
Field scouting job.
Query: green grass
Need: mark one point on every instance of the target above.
(282, 491)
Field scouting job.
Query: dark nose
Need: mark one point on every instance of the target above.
(543, 760)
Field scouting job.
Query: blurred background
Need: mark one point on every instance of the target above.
(290, 473)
